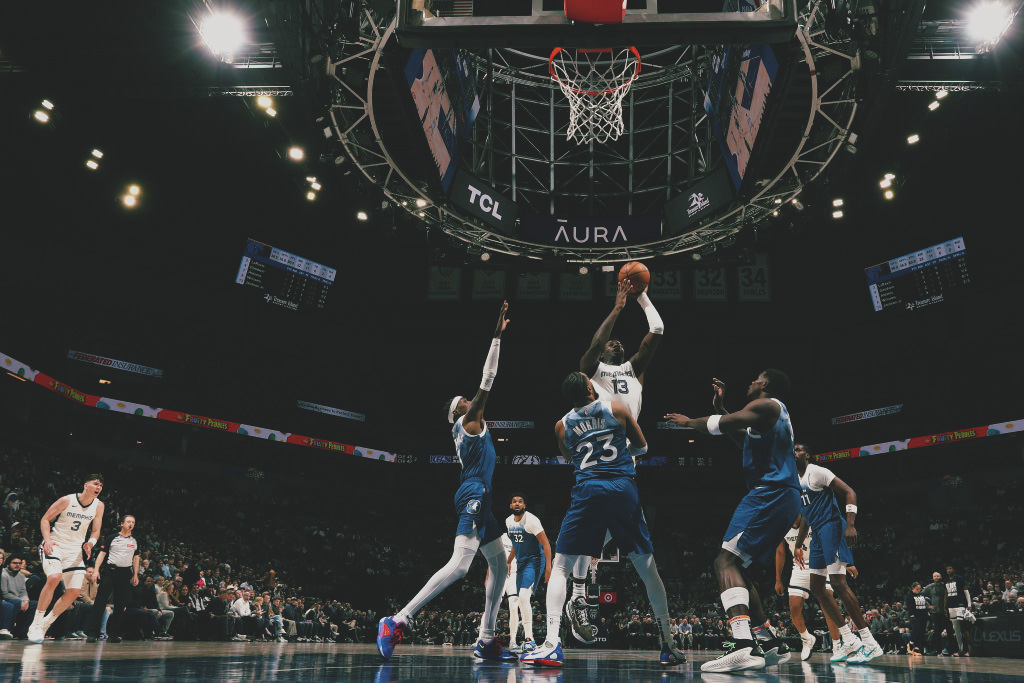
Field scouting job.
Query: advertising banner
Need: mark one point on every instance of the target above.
(590, 232)
(114, 364)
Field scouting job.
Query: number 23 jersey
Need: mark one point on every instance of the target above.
(619, 383)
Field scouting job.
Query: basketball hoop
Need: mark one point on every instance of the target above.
(595, 81)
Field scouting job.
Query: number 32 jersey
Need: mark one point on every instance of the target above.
(619, 383)
(596, 440)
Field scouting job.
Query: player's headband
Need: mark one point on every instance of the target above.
(451, 409)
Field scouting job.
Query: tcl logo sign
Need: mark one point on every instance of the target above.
(480, 200)
(486, 204)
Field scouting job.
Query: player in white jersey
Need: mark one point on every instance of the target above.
(614, 379)
(800, 588)
(71, 529)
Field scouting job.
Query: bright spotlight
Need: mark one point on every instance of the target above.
(296, 154)
(941, 94)
(988, 22)
(421, 214)
(913, 139)
(837, 203)
(486, 256)
(421, 203)
(884, 183)
(311, 179)
(263, 101)
(129, 200)
(48, 104)
(778, 200)
(41, 116)
(797, 204)
(134, 190)
(696, 256)
(362, 215)
(271, 112)
(933, 105)
(315, 185)
(222, 33)
(890, 176)
(98, 154)
(837, 214)
(889, 194)
(311, 196)
(92, 165)
(584, 270)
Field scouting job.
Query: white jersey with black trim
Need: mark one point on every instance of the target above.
(791, 542)
(73, 524)
(619, 383)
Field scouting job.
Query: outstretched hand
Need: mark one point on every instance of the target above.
(622, 294)
(677, 419)
(502, 320)
(718, 387)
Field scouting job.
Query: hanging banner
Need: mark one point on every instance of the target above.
(575, 287)
(867, 414)
(488, 284)
(592, 232)
(328, 410)
(445, 284)
(666, 285)
(754, 280)
(709, 284)
(700, 200)
(114, 364)
(534, 286)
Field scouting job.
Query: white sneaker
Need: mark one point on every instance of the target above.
(808, 640)
(5, 634)
(866, 654)
(36, 634)
(845, 649)
(739, 655)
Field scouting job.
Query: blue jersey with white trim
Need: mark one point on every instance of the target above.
(596, 440)
(523, 534)
(768, 458)
(817, 500)
(475, 452)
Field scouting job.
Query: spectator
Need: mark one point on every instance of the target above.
(14, 593)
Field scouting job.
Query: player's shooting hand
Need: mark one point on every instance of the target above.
(622, 294)
(798, 557)
(852, 571)
(718, 387)
(851, 535)
(677, 419)
(780, 589)
(502, 320)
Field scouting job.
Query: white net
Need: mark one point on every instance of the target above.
(595, 83)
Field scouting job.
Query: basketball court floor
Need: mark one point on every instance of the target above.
(190, 661)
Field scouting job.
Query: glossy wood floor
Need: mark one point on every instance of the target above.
(206, 661)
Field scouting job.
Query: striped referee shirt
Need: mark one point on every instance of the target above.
(120, 550)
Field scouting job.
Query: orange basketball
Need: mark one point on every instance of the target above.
(637, 274)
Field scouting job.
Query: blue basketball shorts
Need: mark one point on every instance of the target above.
(828, 545)
(604, 505)
(475, 513)
(760, 522)
(529, 574)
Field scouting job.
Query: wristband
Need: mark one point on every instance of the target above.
(636, 451)
(92, 540)
(851, 508)
(713, 421)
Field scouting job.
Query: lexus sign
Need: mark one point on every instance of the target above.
(483, 202)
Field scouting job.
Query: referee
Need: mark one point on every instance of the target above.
(118, 563)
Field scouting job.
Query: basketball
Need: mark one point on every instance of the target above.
(637, 274)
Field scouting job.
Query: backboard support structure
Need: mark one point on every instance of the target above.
(463, 24)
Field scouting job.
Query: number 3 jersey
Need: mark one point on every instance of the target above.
(596, 441)
(619, 383)
(72, 526)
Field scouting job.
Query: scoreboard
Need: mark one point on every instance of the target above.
(919, 279)
(283, 278)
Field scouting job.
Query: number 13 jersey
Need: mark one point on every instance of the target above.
(619, 383)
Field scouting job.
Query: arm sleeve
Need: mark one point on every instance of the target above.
(818, 478)
(532, 524)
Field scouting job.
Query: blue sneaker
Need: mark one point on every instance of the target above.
(671, 656)
(545, 655)
(389, 634)
(493, 650)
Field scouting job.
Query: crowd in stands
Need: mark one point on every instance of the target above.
(238, 559)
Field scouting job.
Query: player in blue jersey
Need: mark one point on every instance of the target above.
(762, 518)
(477, 530)
(593, 435)
(830, 555)
(531, 551)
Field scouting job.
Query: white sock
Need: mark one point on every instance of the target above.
(526, 609)
(513, 620)
(555, 600)
(741, 627)
(763, 632)
(494, 553)
(866, 637)
(579, 588)
(845, 634)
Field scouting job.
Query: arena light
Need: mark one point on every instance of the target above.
(584, 270)
(941, 94)
(316, 186)
(696, 256)
(837, 213)
(296, 154)
(263, 102)
(223, 33)
(97, 153)
(134, 190)
(890, 176)
(421, 202)
(311, 195)
(913, 139)
(988, 22)
(47, 104)
(104, 381)
(271, 112)
(130, 201)
(884, 183)
(797, 204)
(933, 105)
(421, 214)
(837, 203)
(889, 194)
(362, 215)
(485, 257)
(41, 116)
(91, 164)
(311, 179)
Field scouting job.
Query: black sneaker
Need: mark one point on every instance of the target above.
(775, 651)
(113, 639)
(576, 609)
(91, 639)
(739, 655)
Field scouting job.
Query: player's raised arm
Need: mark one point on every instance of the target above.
(718, 401)
(588, 363)
(760, 414)
(637, 442)
(473, 423)
(656, 328)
